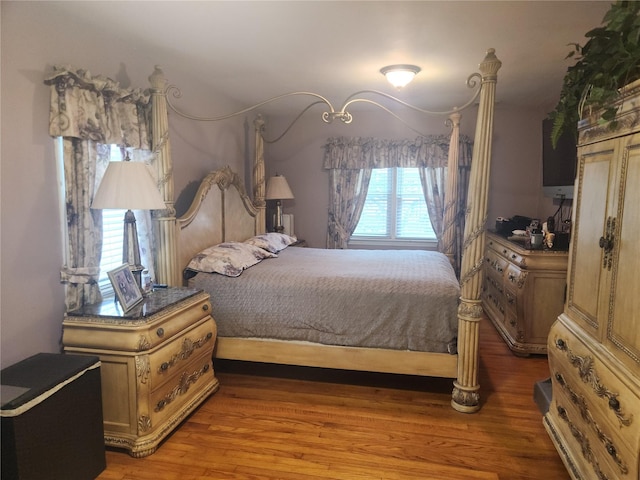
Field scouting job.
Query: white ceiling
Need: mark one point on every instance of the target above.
(251, 51)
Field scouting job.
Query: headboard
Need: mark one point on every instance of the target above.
(220, 212)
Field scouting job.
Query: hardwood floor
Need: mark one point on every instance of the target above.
(271, 422)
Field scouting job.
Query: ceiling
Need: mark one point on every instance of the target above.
(250, 51)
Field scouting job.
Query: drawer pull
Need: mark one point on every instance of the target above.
(561, 344)
(205, 307)
(188, 347)
(614, 403)
(160, 332)
(184, 382)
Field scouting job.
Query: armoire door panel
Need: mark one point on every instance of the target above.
(596, 168)
(621, 332)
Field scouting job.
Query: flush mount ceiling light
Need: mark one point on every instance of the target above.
(399, 75)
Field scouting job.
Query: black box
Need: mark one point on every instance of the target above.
(51, 411)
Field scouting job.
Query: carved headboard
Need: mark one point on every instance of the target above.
(220, 212)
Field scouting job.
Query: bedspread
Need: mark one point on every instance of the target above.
(394, 299)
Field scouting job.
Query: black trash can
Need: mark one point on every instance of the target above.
(51, 413)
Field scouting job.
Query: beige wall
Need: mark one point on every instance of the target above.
(516, 175)
(35, 37)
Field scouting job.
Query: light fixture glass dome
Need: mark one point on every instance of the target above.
(400, 75)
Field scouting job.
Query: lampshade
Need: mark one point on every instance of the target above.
(128, 185)
(399, 75)
(278, 189)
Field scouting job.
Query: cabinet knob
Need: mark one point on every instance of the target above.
(205, 307)
(209, 335)
(164, 367)
(561, 344)
(160, 332)
(614, 403)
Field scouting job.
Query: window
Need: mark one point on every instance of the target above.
(112, 237)
(395, 211)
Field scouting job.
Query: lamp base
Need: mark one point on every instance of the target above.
(131, 249)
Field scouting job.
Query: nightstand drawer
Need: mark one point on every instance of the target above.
(134, 335)
(177, 353)
(180, 388)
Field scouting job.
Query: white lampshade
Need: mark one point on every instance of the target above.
(400, 75)
(128, 185)
(278, 189)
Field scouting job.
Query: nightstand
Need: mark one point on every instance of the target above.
(156, 362)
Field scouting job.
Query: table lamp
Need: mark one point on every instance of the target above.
(129, 185)
(278, 189)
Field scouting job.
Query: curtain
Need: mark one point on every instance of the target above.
(347, 194)
(428, 153)
(88, 112)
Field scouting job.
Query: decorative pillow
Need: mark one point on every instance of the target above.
(229, 258)
(271, 242)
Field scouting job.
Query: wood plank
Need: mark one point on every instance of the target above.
(298, 423)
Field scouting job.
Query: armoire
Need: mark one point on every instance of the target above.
(594, 345)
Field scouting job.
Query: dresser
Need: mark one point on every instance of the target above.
(594, 346)
(523, 292)
(156, 362)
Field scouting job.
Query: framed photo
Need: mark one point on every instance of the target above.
(125, 287)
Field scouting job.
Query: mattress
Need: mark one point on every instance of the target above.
(392, 299)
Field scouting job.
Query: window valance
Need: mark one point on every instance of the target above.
(358, 153)
(97, 109)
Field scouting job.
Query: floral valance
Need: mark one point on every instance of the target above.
(96, 108)
(357, 152)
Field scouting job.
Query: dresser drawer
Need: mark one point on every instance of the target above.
(496, 263)
(138, 335)
(596, 409)
(176, 354)
(180, 388)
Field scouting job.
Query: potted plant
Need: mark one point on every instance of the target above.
(609, 60)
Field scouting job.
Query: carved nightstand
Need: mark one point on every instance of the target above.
(156, 362)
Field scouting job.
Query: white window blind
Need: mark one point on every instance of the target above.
(112, 234)
(112, 237)
(395, 208)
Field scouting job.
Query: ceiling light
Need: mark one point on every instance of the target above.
(400, 75)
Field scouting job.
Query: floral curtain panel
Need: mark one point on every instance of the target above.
(428, 153)
(87, 112)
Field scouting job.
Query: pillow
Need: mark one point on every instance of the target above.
(229, 258)
(271, 242)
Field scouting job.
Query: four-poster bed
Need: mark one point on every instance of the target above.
(222, 212)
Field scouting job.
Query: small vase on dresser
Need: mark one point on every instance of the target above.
(594, 346)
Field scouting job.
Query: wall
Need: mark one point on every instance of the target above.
(34, 38)
(516, 174)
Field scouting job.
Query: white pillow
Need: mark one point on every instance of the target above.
(229, 258)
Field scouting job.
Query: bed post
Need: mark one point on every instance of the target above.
(448, 239)
(166, 252)
(465, 397)
(258, 177)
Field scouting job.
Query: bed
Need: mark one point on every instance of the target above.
(222, 212)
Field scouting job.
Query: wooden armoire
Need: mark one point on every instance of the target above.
(594, 346)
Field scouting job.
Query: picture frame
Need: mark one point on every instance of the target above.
(125, 287)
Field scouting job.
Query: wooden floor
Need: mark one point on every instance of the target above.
(270, 422)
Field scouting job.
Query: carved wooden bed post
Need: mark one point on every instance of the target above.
(259, 192)
(166, 252)
(465, 397)
(451, 193)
